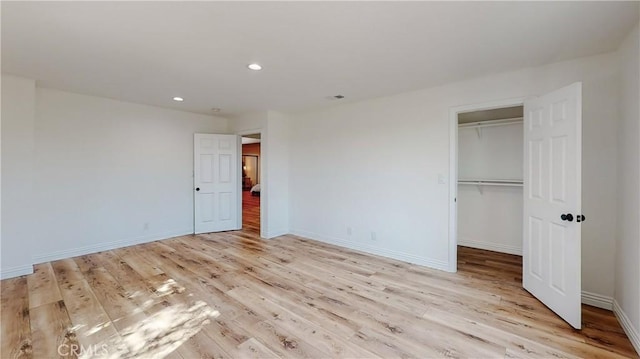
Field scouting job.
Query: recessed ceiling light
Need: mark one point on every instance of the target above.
(179, 99)
(215, 109)
(254, 67)
(339, 97)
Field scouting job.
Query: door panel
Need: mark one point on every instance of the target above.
(225, 169)
(206, 168)
(557, 252)
(216, 183)
(225, 206)
(206, 207)
(535, 245)
(558, 169)
(535, 169)
(552, 188)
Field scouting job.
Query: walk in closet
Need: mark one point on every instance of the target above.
(490, 159)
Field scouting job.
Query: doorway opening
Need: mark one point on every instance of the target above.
(550, 170)
(251, 182)
(490, 179)
(487, 183)
(489, 192)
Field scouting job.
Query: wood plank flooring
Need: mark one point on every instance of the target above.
(234, 295)
(250, 212)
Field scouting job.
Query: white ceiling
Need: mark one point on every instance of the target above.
(149, 52)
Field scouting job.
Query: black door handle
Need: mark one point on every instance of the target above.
(567, 217)
(197, 188)
(580, 218)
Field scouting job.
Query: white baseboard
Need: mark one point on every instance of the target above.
(496, 247)
(597, 300)
(99, 247)
(12, 272)
(276, 233)
(406, 257)
(632, 333)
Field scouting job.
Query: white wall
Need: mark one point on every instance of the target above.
(490, 217)
(373, 165)
(497, 153)
(110, 173)
(249, 122)
(277, 156)
(18, 99)
(274, 167)
(627, 274)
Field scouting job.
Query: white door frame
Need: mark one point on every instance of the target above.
(453, 167)
(264, 197)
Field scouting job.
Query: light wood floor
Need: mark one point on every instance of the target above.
(233, 295)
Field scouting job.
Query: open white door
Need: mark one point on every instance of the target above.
(552, 200)
(216, 183)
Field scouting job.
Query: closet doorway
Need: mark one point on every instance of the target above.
(490, 179)
(490, 146)
(486, 163)
(516, 186)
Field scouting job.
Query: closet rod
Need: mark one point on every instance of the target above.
(491, 123)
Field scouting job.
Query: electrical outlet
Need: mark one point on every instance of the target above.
(348, 231)
(373, 236)
(146, 226)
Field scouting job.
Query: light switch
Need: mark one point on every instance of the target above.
(442, 179)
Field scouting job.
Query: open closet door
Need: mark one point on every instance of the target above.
(552, 200)
(216, 183)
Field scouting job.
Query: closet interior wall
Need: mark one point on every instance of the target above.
(490, 198)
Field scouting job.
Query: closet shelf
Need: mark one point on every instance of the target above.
(497, 183)
(478, 126)
(477, 182)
